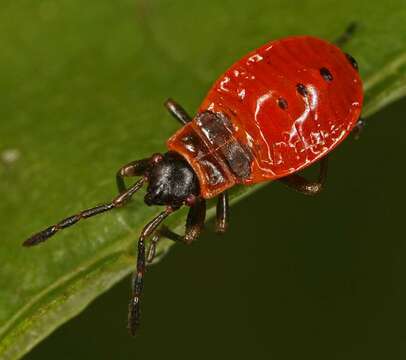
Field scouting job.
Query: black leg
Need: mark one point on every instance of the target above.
(304, 186)
(152, 246)
(134, 168)
(138, 278)
(222, 213)
(71, 220)
(358, 128)
(177, 111)
(346, 35)
(194, 226)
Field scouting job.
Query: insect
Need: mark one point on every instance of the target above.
(274, 112)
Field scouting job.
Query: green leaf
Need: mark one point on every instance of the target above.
(82, 94)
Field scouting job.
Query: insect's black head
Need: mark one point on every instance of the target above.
(171, 181)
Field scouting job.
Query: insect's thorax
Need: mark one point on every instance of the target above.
(210, 146)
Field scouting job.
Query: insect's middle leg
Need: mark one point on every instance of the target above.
(222, 212)
(194, 226)
(304, 186)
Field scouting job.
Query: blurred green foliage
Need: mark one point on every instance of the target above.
(83, 86)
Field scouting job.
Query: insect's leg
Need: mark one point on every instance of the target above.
(358, 128)
(71, 220)
(134, 168)
(152, 246)
(346, 35)
(304, 186)
(194, 226)
(222, 212)
(177, 111)
(138, 277)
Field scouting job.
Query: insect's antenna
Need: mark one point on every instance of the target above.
(138, 277)
(71, 220)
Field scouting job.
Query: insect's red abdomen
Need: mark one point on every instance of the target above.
(284, 106)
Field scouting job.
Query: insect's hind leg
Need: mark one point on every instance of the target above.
(304, 186)
(194, 226)
(346, 35)
(358, 128)
(177, 111)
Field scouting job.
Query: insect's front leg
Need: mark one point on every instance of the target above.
(134, 168)
(194, 226)
(138, 277)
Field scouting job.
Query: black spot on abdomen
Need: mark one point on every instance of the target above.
(301, 89)
(282, 103)
(326, 74)
(352, 61)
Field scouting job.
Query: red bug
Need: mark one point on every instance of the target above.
(276, 111)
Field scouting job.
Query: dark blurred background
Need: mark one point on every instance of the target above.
(294, 278)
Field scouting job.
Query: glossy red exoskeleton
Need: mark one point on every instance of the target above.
(274, 112)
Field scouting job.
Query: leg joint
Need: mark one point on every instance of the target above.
(313, 188)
